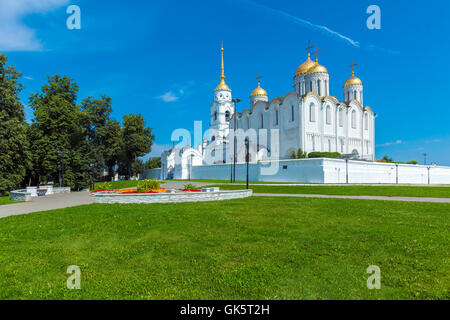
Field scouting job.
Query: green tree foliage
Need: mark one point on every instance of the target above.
(153, 163)
(413, 162)
(104, 135)
(14, 147)
(301, 154)
(386, 159)
(137, 141)
(56, 129)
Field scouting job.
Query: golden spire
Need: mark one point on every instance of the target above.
(309, 48)
(308, 64)
(222, 85)
(353, 67)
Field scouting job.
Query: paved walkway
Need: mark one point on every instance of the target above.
(57, 201)
(405, 199)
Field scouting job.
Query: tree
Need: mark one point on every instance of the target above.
(14, 147)
(104, 135)
(153, 163)
(301, 154)
(387, 159)
(137, 168)
(57, 130)
(137, 141)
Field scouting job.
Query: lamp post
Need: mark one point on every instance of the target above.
(235, 102)
(247, 145)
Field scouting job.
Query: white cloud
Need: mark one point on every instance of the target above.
(14, 34)
(433, 141)
(388, 144)
(169, 97)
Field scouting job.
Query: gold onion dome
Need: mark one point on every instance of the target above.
(317, 68)
(222, 85)
(305, 66)
(259, 91)
(353, 81)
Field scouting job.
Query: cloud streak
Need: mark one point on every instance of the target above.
(14, 34)
(388, 144)
(309, 24)
(323, 29)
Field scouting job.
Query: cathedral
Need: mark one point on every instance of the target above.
(309, 118)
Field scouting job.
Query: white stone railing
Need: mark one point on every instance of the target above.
(20, 195)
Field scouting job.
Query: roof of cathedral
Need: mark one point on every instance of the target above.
(259, 91)
(222, 85)
(353, 80)
(305, 66)
(317, 68)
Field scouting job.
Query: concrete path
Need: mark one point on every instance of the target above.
(405, 199)
(57, 201)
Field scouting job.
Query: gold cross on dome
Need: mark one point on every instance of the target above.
(259, 78)
(316, 52)
(353, 67)
(309, 48)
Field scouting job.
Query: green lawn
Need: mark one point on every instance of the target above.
(390, 191)
(6, 200)
(255, 248)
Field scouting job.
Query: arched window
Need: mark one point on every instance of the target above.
(215, 115)
(227, 115)
(292, 114)
(213, 138)
(310, 86)
(354, 119)
(318, 88)
(341, 117)
(366, 121)
(312, 113)
(262, 121)
(276, 117)
(328, 115)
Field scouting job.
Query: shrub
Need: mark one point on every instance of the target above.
(413, 162)
(293, 155)
(301, 154)
(105, 186)
(144, 186)
(331, 155)
(190, 186)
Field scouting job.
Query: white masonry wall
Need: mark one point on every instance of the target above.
(327, 171)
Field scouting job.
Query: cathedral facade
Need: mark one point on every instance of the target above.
(310, 119)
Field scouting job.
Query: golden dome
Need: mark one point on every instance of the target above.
(317, 68)
(353, 81)
(259, 91)
(305, 66)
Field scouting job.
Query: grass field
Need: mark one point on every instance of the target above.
(354, 190)
(389, 191)
(255, 248)
(6, 200)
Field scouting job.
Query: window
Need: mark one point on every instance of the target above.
(213, 138)
(310, 86)
(312, 113)
(328, 115)
(326, 87)
(215, 115)
(262, 121)
(366, 121)
(227, 116)
(318, 88)
(329, 145)
(341, 118)
(354, 119)
(342, 145)
(276, 117)
(292, 114)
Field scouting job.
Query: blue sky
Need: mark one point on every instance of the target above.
(161, 59)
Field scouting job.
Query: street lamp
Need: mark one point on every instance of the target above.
(235, 102)
(247, 145)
